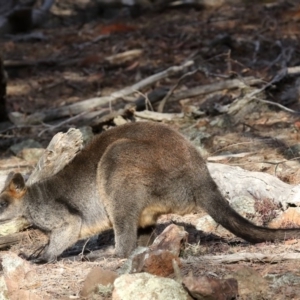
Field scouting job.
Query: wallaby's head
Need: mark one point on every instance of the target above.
(11, 197)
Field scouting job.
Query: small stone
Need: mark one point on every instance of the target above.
(158, 258)
(211, 288)
(250, 283)
(157, 262)
(18, 275)
(170, 239)
(144, 286)
(16, 148)
(98, 279)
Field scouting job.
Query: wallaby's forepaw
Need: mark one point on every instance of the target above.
(39, 256)
(39, 261)
(33, 258)
(24, 256)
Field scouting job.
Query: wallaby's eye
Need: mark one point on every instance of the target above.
(3, 204)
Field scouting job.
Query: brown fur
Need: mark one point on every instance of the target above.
(125, 178)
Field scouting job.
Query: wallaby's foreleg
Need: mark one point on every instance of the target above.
(61, 238)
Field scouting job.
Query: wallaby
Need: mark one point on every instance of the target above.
(124, 179)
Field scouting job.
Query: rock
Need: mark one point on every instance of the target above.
(16, 148)
(278, 281)
(244, 205)
(144, 286)
(170, 239)
(31, 154)
(19, 276)
(208, 288)
(156, 262)
(3, 289)
(289, 217)
(158, 258)
(208, 224)
(98, 281)
(250, 283)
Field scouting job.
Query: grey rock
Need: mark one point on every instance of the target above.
(25, 144)
(144, 286)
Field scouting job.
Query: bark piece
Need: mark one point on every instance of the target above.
(60, 151)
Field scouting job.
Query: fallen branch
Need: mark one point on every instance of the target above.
(249, 257)
(124, 56)
(293, 70)
(9, 240)
(156, 116)
(93, 103)
(216, 86)
(278, 105)
(171, 91)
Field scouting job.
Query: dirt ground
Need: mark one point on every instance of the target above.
(235, 41)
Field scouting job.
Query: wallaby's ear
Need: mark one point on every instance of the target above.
(17, 185)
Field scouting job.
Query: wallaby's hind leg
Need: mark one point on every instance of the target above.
(125, 237)
(61, 238)
(125, 229)
(123, 213)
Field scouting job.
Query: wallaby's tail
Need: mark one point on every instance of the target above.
(219, 209)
